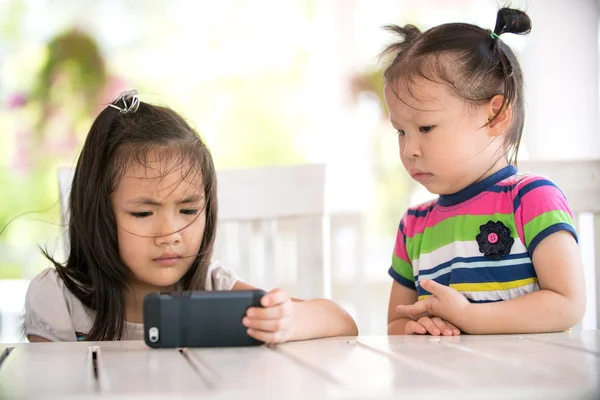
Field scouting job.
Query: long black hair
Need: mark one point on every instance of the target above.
(94, 272)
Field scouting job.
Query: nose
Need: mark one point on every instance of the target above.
(411, 148)
(168, 232)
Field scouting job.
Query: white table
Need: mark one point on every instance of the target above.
(550, 366)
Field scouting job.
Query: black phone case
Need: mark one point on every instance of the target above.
(199, 319)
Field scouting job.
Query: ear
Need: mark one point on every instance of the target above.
(499, 117)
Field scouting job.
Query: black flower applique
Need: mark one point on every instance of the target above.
(494, 240)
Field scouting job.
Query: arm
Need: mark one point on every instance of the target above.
(400, 324)
(559, 304)
(399, 295)
(36, 339)
(545, 222)
(284, 319)
(320, 318)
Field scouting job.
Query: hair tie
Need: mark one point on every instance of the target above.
(494, 35)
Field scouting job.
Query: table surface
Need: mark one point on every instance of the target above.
(546, 366)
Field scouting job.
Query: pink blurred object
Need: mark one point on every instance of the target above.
(17, 101)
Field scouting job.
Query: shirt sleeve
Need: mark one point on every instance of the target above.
(401, 269)
(541, 209)
(46, 311)
(219, 277)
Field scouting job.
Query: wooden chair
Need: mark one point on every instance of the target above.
(273, 226)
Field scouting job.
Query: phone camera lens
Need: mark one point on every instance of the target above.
(153, 334)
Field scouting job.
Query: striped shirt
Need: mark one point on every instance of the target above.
(447, 239)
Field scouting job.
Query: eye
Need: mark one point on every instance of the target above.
(400, 132)
(141, 214)
(425, 129)
(190, 211)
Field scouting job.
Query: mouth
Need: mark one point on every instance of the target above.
(420, 176)
(168, 259)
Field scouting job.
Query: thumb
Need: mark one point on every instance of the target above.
(273, 298)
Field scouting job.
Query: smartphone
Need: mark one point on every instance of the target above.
(199, 318)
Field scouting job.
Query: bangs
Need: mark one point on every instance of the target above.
(159, 160)
(404, 75)
(444, 68)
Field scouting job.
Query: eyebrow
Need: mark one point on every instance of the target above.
(151, 202)
(394, 123)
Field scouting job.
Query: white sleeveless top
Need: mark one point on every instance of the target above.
(54, 313)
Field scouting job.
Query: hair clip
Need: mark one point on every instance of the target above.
(128, 95)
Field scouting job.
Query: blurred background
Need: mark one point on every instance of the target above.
(265, 82)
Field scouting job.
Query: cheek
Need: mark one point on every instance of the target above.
(470, 145)
(401, 144)
(130, 246)
(195, 231)
(405, 161)
(449, 146)
(130, 240)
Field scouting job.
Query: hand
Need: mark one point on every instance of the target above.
(445, 303)
(271, 324)
(434, 326)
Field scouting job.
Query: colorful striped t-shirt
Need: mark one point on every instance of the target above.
(480, 240)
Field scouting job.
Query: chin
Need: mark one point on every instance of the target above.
(163, 279)
(434, 190)
(439, 190)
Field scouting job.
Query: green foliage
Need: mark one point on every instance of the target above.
(77, 54)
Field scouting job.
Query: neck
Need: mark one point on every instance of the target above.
(134, 301)
(497, 166)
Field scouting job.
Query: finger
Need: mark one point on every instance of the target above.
(274, 297)
(277, 312)
(430, 326)
(414, 328)
(267, 325)
(434, 288)
(415, 311)
(422, 308)
(266, 337)
(442, 326)
(455, 330)
(416, 317)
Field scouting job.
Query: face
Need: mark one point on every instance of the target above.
(160, 216)
(444, 142)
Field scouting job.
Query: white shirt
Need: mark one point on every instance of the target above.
(54, 313)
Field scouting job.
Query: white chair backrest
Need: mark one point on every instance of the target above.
(273, 226)
(580, 182)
